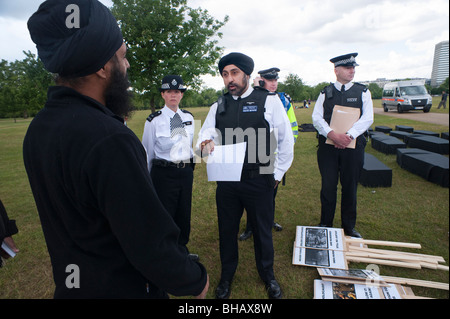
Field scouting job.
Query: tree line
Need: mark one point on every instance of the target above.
(24, 84)
(163, 37)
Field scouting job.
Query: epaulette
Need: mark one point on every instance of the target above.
(152, 116)
(365, 87)
(261, 89)
(187, 112)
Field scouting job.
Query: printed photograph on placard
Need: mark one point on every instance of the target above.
(316, 238)
(319, 237)
(333, 290)
(357, 274)
(317, 257)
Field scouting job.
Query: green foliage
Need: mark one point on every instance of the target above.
(167, 37)
(23, 86)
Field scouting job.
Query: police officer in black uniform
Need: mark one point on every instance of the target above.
(337, 162)
(248, 110)
(168, 136)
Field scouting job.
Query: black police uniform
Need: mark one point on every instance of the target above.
(336, 163)
(254, 192)
(342, 164)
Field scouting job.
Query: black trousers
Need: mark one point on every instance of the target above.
(174, 189)
(256, 197)
(345, 166)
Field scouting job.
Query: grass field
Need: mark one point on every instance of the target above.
(412, 210)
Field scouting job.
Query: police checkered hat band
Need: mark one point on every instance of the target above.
(172, 82)
(345, 60)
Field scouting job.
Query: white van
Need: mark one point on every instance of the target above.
(405, 96)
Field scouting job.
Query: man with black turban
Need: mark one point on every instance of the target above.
(257, 117)
(107, 233)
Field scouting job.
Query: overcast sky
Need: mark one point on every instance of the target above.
(394, 38)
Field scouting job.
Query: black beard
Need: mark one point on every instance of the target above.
(240, 89)
(117, 96)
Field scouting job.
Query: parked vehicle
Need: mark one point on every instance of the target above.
(406, 96)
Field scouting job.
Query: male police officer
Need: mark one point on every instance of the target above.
(250, 110)
(268, 79)
(337, 161)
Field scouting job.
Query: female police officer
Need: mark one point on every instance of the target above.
(168, 136)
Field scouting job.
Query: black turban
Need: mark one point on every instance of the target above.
(74, 51)
(243, 62)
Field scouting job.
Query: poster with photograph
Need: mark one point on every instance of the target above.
(356, 276)
(319, 258)
(320, 238)
(333, 290)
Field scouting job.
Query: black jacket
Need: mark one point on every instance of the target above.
(98, 207)
(7, 227)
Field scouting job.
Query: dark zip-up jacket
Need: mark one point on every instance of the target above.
(98, 207)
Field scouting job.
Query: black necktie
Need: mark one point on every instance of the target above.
(176, 126)
(343, 89)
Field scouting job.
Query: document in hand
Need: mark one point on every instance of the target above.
(226, 162)
(8, 250)
(342, 120)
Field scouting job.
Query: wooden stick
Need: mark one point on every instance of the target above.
(398, 257)
(442, 267)
(427, 258)
(384, 262)
(416, 282)
(382, 243)
(414, 297)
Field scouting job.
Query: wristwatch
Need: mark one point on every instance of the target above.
(349, 135)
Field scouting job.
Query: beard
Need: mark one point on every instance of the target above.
(240, 88)
(117, 97)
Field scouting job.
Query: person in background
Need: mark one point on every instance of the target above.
(443, 100)
(337, 162)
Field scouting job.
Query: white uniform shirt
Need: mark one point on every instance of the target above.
(277, 118)
(158, 142)
(361, 126)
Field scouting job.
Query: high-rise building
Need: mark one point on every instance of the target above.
(440, 64)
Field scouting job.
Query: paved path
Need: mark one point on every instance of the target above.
(433, 118)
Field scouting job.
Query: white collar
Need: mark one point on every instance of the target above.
(339, 85)
(166, 110)
(246, 93)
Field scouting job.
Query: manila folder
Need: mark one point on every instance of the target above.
(342, 120)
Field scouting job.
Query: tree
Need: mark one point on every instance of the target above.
(167, 37)
(23, 86)
(376, 91)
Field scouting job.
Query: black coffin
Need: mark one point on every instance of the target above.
(428, 165)
(429, 143)
(384, 129)
(387, 144)
(429, 133)
(400, 134)
(375, 173)
(404, 128)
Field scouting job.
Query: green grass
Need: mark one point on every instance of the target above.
(412, 210)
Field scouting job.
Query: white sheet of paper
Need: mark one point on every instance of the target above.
(226, 162)
(8, 250)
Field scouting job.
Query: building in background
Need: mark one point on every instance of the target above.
(440, 64)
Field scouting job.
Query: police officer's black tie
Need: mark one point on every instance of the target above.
(176, 126)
